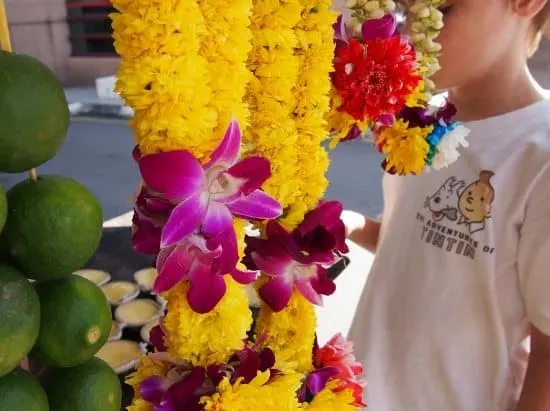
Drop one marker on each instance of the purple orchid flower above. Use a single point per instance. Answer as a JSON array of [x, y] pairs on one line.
[[279, 257], [315, 382], [249, 362], [208, 196], [203, 262], [322, 232], [422, 117], [178, 391], [382, 28], [150, 216], [156, 338]]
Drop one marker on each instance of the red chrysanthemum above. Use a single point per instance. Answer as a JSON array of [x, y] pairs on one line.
[[374, 78]]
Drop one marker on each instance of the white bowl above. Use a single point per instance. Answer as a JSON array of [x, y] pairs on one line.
[[116, 331], [145, 278], [120, 292], [121, 355], [138, 312], [98, 277]]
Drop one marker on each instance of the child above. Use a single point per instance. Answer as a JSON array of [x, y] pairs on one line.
[[462, 270]]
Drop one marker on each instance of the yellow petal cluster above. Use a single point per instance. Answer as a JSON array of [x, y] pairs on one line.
[[163, 77], [210, 338], [405, 147], [271, 94], [315, 52], [330, 399], [279, 394], [289, 333]]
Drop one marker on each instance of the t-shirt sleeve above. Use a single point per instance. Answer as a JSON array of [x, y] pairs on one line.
[[534, 254]]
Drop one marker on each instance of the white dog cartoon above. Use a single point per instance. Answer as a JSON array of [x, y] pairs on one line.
[[444, 202]]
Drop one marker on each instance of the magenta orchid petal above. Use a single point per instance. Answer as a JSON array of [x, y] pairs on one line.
[[243, 277], [318, 379], [276, 293], [322, 283], [206, 290], [151, 389], [136, 154], [216, 219], [156, 338], [227, 153], [174, 268], [275, 264], [382, 28], [183, 220], [182, 393], [229, 256], [251, 173], [145, 236], [303, 285], [258, 205], [175, 175]]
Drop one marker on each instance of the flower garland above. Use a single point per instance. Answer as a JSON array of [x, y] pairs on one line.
[[374, 90], [232, 108], [272, 132]]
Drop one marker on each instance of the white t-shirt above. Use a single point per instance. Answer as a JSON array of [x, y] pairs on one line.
[[462, 268]]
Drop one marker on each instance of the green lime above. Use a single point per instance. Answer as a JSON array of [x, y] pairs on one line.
[[34, 114], [19, 318], [75, 321], [20, 391], [92, 386], [54, 226]]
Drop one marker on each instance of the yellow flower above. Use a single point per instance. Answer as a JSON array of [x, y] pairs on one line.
[[210, 338], [147, 368], [139, 404], [418, 97], [278, 394], [289, 333], [340, 122], [405, 148], [330, 400], [226, 46]]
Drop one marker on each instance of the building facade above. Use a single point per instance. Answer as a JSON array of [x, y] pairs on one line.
[[73, 38]]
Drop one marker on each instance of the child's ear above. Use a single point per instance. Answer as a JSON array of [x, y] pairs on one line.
[[528, 8]]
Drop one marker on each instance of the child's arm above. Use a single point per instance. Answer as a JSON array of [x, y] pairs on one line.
[[361, 230], [536, 388]]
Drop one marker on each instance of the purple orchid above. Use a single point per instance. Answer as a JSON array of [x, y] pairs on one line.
[[207, 196], [322, 232], [424, 117], [183, 386], [315, 382], [203, 262], [150, 216], [180, 390], [382, 28], [298, 259]]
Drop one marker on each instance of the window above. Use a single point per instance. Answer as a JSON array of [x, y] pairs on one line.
[[90, 27]]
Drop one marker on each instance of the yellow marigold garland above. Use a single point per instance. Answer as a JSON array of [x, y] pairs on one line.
[[271, 98], [278, 394], [226, 46], [210, 338], [330, 399], [289, 333], [167, 83]]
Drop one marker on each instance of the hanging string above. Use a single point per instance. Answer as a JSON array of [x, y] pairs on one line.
[[5, 44]]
